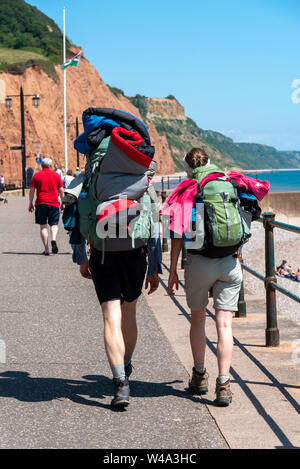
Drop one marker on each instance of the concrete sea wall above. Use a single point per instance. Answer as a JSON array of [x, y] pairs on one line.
[[285, 205]]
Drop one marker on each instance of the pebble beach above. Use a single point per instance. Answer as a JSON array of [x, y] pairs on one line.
[[287, 246]]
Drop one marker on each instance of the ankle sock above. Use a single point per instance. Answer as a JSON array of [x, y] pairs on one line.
[[199, 367], [223, 378], [118, 372]]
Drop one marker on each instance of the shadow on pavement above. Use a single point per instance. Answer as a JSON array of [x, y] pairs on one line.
[[21, 386]]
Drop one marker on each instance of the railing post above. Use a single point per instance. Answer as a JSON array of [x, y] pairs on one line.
[[168, 182], [242, 309], [162, 184], [164, 240], [272, 332]]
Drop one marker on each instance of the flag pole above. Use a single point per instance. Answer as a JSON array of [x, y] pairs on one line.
[[65, 90]]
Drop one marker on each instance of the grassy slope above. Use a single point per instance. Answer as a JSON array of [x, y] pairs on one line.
[[16, 61], [11, 56]]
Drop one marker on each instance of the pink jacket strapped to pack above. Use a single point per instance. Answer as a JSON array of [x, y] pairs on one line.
[[254, 186], [180, 203], [182, 197]]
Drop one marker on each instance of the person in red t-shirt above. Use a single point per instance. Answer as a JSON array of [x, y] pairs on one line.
[[47, 184]]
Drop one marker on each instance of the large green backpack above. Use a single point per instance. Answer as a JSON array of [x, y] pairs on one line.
[[140, 226], [219, 221]]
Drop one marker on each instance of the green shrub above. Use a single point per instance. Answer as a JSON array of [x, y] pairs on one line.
[[116, 91], [139, 102]]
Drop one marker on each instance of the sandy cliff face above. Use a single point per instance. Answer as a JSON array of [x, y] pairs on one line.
[[159, 108], [182, 133], [44, 125]]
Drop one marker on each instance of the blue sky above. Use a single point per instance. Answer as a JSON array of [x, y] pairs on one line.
[[230, 63]]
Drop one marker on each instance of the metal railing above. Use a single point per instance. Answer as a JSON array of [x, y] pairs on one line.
[[170, 182], [269, 279]]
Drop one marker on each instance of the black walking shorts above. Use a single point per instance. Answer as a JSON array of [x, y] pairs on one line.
[[121, 276], [46, 214]]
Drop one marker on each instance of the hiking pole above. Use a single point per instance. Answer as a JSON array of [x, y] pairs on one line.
[[183, 255], [242, 309]]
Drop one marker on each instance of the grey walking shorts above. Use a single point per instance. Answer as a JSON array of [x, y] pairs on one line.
[[224, 275]]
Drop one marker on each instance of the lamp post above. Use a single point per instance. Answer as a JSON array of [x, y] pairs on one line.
[[77, 133], [8, 105]]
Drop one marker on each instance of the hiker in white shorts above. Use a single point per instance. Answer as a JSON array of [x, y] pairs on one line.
[[212, 267]]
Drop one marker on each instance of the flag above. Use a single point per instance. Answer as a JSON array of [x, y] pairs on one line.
[[73, 61]]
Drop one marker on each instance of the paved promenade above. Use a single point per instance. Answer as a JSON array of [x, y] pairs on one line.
[[55, 385]]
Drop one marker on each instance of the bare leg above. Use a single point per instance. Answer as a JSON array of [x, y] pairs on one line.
[[53, 232], [113, 337], [197, 336], [44, 236], [225, 340], [129, 327]]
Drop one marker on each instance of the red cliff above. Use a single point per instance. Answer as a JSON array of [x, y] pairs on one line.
[[44, 125]]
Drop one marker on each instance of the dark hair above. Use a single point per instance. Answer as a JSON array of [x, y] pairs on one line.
[[196, 157]]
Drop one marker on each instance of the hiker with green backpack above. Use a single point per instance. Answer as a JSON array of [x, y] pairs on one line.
[[114, 208], [218, 227]]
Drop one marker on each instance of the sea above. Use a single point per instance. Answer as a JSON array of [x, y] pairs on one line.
[[282, 180]]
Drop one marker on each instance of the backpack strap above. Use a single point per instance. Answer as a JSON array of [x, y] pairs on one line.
[[218, 174], [233, 182], [208, 178], [199, 193]]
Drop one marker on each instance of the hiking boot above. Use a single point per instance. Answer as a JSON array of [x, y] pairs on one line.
[[199, 382], [54, 247], [128, 370], [224, 395], [121, 397]]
